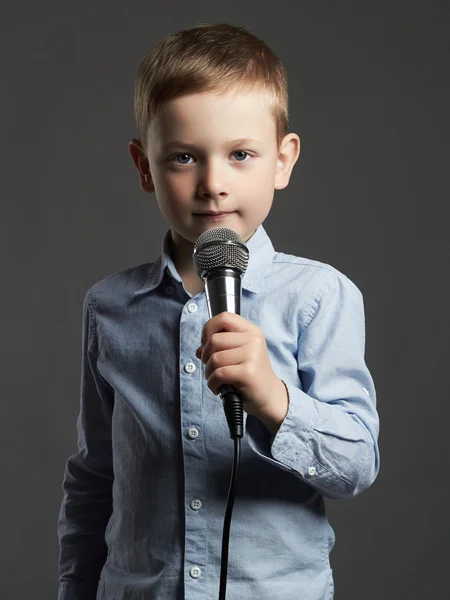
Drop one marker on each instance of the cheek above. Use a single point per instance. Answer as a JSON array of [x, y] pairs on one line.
[[172, 190], [257, 197], [261, 185]]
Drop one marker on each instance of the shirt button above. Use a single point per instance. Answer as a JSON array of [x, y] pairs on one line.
[[312, 470], [196, 504], [169, 289], [193, 433], [192, 307], [195, 572], [189, 367]]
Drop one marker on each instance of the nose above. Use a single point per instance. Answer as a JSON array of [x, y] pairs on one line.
[[213, 181]]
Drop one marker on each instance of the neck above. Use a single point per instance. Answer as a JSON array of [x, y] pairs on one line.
[[181, 251]]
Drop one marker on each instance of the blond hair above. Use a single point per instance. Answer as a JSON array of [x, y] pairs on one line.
[[209, 57]]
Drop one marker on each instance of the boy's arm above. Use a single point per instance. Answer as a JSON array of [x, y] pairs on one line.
[[329, 436], [87, 503]]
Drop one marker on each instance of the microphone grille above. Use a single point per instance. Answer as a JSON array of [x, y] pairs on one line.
[[219, 247]]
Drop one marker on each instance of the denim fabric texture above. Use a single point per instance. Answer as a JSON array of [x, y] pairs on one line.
[[144, 497]]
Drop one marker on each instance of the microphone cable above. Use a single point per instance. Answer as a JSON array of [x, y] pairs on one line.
[[234, 412]]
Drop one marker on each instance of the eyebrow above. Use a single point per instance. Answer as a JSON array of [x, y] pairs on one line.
[[179, 143]]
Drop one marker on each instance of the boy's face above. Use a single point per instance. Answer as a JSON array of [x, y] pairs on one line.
[[194, 165]]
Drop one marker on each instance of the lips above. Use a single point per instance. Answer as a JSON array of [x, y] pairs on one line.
[[215, 214]]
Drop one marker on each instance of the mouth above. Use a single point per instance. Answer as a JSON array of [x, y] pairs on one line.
[[213, 215]]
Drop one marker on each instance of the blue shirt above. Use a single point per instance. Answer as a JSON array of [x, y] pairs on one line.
[[145, 496]]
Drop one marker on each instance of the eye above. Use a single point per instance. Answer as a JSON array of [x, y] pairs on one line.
[[241, 152], [185, 154], [177, 155]]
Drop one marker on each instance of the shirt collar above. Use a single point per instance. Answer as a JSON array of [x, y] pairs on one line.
[[261, 253]]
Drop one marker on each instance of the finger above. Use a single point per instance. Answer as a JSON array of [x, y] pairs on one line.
[[225, 358], [222, 340], [231, 374], [224, 321]]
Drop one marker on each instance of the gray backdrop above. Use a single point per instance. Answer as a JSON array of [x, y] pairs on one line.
[[369, 97]]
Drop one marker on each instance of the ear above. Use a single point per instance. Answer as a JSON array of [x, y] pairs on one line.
[[287, 157], [142, 165]]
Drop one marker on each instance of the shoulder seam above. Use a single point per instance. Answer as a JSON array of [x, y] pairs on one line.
[[302, 261], [128, 270]]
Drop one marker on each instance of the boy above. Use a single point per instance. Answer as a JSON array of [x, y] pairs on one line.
[[144, 498]]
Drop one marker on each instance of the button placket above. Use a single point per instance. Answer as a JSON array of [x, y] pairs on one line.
[[193, 449]]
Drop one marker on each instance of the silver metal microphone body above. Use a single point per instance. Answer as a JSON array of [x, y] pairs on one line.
[[223, 291], [220, 259]]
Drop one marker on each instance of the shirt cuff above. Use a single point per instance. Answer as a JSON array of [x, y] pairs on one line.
[[297, 426]]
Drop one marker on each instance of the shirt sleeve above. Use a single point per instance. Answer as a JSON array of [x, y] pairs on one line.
[[329, 436], [87, 485]]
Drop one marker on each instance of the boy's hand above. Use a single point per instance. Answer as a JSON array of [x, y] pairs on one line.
[[235, 352]]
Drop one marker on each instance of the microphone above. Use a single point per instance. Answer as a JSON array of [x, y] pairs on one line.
[[220, 259]]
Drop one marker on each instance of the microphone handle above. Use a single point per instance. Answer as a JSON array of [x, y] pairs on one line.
[[223, 294]]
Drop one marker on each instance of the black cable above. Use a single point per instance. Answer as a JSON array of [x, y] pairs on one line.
[[227, 521], [234, 412]]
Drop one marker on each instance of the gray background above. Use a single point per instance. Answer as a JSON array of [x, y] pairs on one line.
[[369, 97]]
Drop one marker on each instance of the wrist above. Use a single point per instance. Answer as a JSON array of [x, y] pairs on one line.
[[273, 415]]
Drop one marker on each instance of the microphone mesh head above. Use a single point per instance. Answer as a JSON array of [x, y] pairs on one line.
[[219, 247]]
